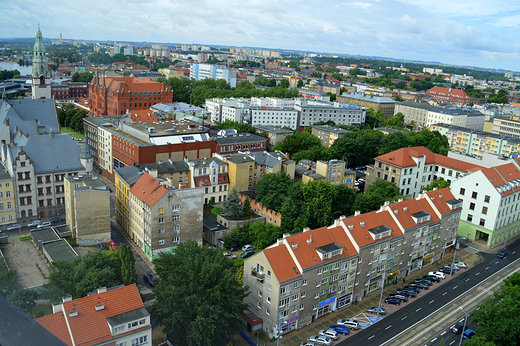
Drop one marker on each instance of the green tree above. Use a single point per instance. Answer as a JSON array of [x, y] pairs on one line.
[[298, 142], [232, 206], [198, 292], [128, 273], [237, 237], [438, 183], [262, 235], [272, 190], [343, 203], [393, 141], [293, 220], [396, 121], [318, 198], [284, 83], [376, 195], [300, 83], [247, 207]]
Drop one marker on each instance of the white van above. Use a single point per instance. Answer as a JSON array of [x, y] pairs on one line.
[[438, 274], [349, 322]]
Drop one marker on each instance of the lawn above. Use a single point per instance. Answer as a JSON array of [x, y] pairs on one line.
[[72, 133]]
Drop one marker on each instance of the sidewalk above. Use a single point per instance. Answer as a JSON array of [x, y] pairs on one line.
[[137, 250], [297, 336]]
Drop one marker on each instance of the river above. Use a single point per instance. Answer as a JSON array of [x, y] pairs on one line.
[[24, 70]]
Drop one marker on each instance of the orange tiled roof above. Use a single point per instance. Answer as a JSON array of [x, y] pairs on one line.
[[439, 199], [304, 252], [148, 189], [404, 158], [500, 176], [281, 262], [339, 235], [241, 75], [404, 210], [202, 180], [90, 327], [223, 178], [447, 92], [143, 115], [359, 227]]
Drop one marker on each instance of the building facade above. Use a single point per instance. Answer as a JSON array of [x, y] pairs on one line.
[[384, 104], [456, 116], [413, 112], [274, 133], [69, 91], [328, 134], [8, 214], [203, 71], [212, 176]]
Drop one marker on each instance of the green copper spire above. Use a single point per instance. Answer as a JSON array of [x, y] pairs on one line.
[[40, 66]]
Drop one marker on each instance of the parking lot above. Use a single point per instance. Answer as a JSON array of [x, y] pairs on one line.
[[23, 257]]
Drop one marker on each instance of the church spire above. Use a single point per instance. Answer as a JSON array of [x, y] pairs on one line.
[[41, 88]]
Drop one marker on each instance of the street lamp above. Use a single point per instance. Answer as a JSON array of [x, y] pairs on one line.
[[463, 328], [381, 295], [454, 255]]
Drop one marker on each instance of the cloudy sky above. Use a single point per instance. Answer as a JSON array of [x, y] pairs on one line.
[[481, 33]]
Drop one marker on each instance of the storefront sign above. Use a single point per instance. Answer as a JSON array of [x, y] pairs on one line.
[[327, 302]]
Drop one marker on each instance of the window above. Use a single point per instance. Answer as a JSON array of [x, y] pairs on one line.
[[176, 208], [161, 242], [161, 210], [316, 295], [161, 230], [176, 239], [296, 284], [301, 307], [304, 283], [474, 194], [482, 222], [304, 294], [487, 198], [470, 217], [472, 206], [268, 312], [260, 294], [484, 210], [269, 273], [161, 220], [119, 329], [462, 191]]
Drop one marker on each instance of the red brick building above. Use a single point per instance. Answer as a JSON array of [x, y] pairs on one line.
[[116, 95], [449, 95], [69, 91]]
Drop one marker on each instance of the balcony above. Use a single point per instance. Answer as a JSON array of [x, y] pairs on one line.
[[260, 276]]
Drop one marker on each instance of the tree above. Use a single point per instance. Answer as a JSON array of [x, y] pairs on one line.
[[198, 297], [298, 142], [396, 121], [438, 183], [247, 207], [317, 208], [232, 206], [299, 84], [393, 141], [284, 83], [376, 195], [272, 190], [128, 273], [262, 235], [343, 204]]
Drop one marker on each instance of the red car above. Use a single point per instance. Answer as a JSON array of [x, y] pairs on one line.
[[113, 245]]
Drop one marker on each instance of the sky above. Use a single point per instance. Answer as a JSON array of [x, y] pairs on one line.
[[481, 33]]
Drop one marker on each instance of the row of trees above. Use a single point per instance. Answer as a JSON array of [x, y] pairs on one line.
[[8, 74], [106, 59], [70, 116], [82, 77]]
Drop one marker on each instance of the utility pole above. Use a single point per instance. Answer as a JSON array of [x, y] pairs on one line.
[[381, 295], [463, 328], [455, 255]]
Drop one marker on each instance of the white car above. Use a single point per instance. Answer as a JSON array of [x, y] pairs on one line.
[[45, 225], [320, 340], [329, 333], [307, 343], [230, 255], [438, 274], [248, 247], [348, 322], [14, 227], [34, 223], [461, 265]]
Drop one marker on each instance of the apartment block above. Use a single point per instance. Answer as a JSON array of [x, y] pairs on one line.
[[449, 95], [212, 175], [312, 111], [491, 201], [87, 206], [274, 133], [333, 171], [506, 126], [116, 316], [384, 104], [328, 134], [463, 117], [232, 144], [413, 111], [414, 168], [307, 275], [203, 71]]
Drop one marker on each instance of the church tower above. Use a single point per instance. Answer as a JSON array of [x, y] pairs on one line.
[[86, 158], [41, 78]]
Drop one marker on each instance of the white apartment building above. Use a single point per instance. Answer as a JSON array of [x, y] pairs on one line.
[[456, 116], [203, 71], [341, 113]]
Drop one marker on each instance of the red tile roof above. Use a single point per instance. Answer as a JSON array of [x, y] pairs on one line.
[[304, 252], [439, 199], [447, 92], [90, 327], [359, 226], [282, 263], [148, 190], [404, 158], [500, 176], [143, 115], [223, 178], [202, 180]]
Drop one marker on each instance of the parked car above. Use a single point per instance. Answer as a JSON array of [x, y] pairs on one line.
[[247, 254], [432, 278], [423, 281], [149, 279], [113, 245], [230, 255], [14, 227], [234, 248], [458, 328], [468, 334], [398, 296], [406, 293], [461, 265], [392, 300], [420, 285], [34, 223], [329, 333], [340, 329], [502, 254], [44, 225], [438, 274], [320, 340], [412, 288], [101, 246], [307, 343], [348, 322], [56, 219], [447, 271], [248, 247], [375, 309], [449, 266]]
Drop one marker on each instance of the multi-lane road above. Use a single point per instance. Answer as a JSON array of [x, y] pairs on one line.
[[426, 320]]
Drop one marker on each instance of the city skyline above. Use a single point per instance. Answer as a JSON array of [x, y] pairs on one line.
[[472, 33]]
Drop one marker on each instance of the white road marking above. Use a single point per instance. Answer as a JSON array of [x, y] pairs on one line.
[[512, 253], [451, 343], [496, 262], [455, 287], [388, 327], [432, 301], [477, 274], [434, 340], [371, 337], [467, 279], [404, 318], [444, 332], [417, 309], [487, 268], [444, 293]]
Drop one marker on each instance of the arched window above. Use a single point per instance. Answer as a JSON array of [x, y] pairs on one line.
[[23, 213], [42, 80], [29, 212]]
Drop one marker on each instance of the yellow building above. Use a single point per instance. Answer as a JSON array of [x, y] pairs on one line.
[[7, 201], [333, 171], [124, 179]]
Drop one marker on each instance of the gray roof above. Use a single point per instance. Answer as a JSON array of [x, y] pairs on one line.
[[18, 328], [85, 151], [52, 153], [239, 158], [239, 138], [329, 128], [273, 129], [60, 250], [379, 229], [421, 105], [167, 167], [264, 158], [127, 316], [206, 162], [24, 113], [456, 111], [371, 98], [4, 173], [129, 174]]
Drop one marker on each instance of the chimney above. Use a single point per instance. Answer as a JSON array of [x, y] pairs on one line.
[[357, 213], [101, 290], [67, 299]]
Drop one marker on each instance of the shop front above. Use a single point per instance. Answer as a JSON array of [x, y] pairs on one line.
[[288, 326], [416, 264], [391, 278], [428, 259], [326, 306], [344, 301]]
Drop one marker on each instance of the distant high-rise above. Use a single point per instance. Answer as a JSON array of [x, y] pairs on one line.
[[41, 86]]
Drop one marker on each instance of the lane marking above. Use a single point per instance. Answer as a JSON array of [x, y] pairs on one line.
[[444, 293], [477, 274], [496, 262], [371, 337], [444, 332], [432, 301], [467, 279], [434, 340], [417, 309], [512, 253], [388, 327], [461, 320], [455, 287], [404, 318], [451, 343], [487, 268]]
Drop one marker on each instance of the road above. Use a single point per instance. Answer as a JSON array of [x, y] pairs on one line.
[[427, 320]]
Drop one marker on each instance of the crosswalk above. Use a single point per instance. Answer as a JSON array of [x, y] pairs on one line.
[[471, 249]]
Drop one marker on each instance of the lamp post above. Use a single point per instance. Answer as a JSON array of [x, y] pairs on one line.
[[463, 328], [454, 255], [381, 295]]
